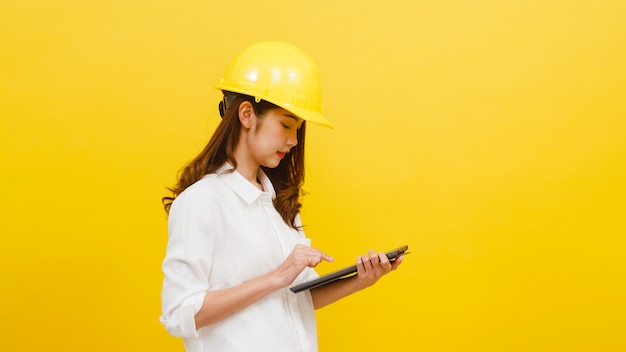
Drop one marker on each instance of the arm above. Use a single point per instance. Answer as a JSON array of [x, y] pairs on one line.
[[218, 305], [221, 304], [370, 268]]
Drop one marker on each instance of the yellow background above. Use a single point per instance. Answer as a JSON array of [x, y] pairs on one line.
[[489, 136]]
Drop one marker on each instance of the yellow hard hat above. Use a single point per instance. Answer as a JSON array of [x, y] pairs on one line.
[[281, 74]]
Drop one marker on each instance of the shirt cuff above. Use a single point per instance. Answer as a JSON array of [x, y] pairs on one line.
[[182, 323]]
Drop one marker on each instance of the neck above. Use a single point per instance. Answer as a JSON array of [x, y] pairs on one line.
[[246, 166]]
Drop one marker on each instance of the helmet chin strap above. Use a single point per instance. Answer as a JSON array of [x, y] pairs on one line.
[[226, 101]]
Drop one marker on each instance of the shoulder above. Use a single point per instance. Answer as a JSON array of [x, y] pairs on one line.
[[202, 193]]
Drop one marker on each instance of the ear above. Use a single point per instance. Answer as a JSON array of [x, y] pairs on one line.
[[246, 114]]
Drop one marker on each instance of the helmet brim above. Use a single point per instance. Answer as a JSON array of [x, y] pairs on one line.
[[303, 113]]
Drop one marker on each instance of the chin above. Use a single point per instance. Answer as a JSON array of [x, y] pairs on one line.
[[272, 164]]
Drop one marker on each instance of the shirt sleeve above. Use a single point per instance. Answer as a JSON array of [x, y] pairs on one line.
[[186, 265]]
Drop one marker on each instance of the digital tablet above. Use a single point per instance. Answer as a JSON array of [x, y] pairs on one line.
[[340, 274]]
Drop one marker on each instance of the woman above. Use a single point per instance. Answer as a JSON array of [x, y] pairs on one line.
[[235, 236]]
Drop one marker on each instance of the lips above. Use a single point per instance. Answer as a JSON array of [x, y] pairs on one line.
[[281, 154]]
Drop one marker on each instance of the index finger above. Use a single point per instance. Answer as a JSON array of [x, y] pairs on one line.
[[326, 257]]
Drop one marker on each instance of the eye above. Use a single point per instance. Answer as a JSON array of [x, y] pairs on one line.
[[285, 126]]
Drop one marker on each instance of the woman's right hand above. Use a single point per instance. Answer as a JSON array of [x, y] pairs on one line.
[[300, 257]]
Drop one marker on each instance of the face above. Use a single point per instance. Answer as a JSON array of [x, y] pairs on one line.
[[273, 135]]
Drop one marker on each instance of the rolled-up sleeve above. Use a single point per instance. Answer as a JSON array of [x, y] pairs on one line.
[[180, 321], [186, 265]]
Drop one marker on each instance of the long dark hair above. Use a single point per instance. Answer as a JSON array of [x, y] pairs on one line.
[[287, 178]]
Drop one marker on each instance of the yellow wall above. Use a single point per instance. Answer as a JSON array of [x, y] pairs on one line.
[[490, 136]]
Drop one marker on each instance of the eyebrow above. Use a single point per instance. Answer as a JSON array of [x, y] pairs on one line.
[[294, 117]]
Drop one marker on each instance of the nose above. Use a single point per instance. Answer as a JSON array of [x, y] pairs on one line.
[[292, 139]]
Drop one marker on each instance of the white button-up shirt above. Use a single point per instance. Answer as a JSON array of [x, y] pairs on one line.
[[223, 231]]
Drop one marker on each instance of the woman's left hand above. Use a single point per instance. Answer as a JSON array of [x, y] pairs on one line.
[[371, 267]]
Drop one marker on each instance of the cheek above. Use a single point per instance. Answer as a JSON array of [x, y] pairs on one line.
[[269, 137], [275, 134]]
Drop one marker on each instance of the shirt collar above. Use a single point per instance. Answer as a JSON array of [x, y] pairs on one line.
[[246, 190]]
